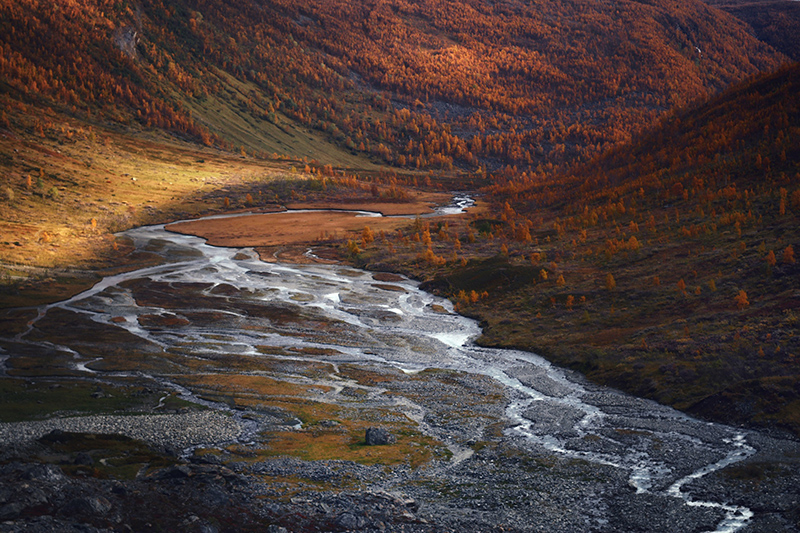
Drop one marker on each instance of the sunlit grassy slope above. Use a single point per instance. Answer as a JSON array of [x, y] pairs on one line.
[[228, 115], [67, 185]]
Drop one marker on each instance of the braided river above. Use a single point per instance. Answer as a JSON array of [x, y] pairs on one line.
[[355, 319]]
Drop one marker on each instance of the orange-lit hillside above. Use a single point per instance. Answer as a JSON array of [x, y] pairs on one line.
[[423, 84], [745, 139]]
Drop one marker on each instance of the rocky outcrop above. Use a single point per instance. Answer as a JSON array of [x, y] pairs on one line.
[[126, 38]]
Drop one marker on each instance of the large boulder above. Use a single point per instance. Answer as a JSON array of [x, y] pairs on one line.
[[379, 437]]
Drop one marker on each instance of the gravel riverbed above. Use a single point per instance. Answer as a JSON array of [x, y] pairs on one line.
[[174, 430]]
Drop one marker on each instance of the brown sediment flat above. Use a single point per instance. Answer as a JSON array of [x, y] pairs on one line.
[[285, 236], [387, 276], [291, 228], [284, 229], [420, 205]]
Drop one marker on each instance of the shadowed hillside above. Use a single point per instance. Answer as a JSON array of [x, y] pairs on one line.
[[776, 22]]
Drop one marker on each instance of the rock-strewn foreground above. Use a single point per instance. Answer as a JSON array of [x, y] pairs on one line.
[[65, 482]]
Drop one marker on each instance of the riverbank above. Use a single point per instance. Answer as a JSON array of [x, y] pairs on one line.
[[60, 487], [644, 343], [319, 228]]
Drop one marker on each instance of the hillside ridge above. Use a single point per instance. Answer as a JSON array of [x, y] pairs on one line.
[[460, 84]]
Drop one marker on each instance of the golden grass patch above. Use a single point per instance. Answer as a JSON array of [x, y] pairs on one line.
[[251, 384], [411, 447]]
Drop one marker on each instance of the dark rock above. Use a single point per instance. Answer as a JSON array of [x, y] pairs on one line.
[[83, 458], [205, 459], [348, 521], [11, 511], [216, 497], [175, 472], [90, 505], [407, 502], [195, 523], [48, 473], [170, 450], [55, 436], [32, 496], [379, 437]]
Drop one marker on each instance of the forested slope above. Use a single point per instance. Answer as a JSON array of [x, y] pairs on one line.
[[667, 267], [776, 22], [459, 83]]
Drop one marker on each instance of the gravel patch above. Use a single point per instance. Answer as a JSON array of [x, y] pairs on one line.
[[180, 430]]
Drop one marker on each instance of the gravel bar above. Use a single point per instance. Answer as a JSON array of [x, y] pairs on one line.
[[176, 430]]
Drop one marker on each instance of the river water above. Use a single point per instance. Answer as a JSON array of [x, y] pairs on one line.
[[395, 324]]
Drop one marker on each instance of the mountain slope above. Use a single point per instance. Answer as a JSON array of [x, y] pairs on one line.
[[744, 138], [429, 84], [682, 219], [776, 22]]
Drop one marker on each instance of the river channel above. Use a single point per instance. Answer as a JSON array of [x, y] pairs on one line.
[[203, 300]]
